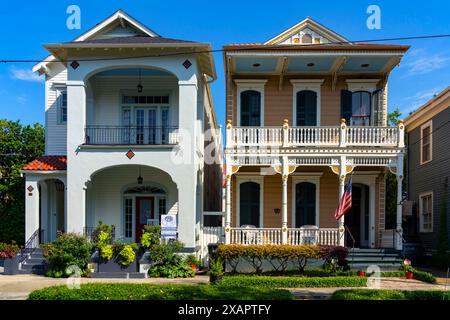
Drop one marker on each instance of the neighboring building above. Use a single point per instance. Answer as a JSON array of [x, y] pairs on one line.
[[288, 153], [428, 140], [127, 121]]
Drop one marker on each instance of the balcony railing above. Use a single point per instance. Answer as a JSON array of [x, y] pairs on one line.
[[131, 135], [317, 136]]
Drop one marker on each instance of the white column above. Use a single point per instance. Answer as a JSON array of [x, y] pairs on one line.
[[284, 209], [45, 216], [76, 115], [228, 210], [342, 175], [399, 233], [31, 206]]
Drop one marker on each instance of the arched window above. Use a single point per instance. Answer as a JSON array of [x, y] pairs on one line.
[[306, 38], [305, 204], [360, 108], [306, 112], [249, 204], [250, 108]]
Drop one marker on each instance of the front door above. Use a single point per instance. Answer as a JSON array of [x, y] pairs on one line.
[[357, 218], [144, 211], [249, 206]]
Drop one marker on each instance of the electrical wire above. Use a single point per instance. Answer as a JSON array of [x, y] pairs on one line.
[[436, 36]]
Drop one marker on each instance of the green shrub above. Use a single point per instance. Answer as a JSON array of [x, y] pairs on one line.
[[292, 282], [68, 249], [216, 268], [8, 251], [166, 262], [103, 244], [126, 253], [151, 236], [101, 229], [417, 274], [192, 260], [134, 291], [366, 294]]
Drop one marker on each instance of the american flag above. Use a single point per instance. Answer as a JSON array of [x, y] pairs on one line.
[[346, 201]]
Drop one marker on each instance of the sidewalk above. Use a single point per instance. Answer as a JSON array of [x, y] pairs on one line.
[[385, 283], [19, 286]]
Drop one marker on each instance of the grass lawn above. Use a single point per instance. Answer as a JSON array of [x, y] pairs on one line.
[[291, 282], [133, 291], [368, 294]]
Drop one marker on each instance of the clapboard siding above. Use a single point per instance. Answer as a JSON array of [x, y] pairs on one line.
[[55, 133], [278, 104], [432, 175]]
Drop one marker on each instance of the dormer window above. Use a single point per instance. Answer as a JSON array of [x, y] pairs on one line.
[[306, 39]]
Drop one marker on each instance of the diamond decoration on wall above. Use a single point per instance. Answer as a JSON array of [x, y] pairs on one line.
[[130, 154], [74, 64], [187, 64], [30, 188]]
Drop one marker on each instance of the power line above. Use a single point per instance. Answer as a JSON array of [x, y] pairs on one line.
[[243, 48]]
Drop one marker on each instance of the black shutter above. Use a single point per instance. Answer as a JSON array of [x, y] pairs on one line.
[[377, 107], [346, 105]]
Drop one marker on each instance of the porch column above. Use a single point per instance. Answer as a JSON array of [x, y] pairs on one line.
[[284, 209], [228, 210], [45, 215], [31, 206], [399, 229], [342, 175], [76, 208]]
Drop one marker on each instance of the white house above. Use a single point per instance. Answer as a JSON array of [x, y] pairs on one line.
[[127, 117]]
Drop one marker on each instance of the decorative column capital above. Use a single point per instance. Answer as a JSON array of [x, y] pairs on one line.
[[285, 124], [229, 125]]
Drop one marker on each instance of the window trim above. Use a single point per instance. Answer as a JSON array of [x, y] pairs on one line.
[[421, 196], [311, 178], [257, 179], [249, 84], [59, 94], [302, 85], [422, 127]]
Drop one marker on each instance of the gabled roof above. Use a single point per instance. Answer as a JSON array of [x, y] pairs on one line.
[[47, 163], [120, 30], [312, 25]]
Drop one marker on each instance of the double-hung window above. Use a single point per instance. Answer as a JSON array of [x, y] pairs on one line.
[[62, 106], [426, 154], [426, 212]]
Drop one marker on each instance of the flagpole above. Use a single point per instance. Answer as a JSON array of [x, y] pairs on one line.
[[341, 219]]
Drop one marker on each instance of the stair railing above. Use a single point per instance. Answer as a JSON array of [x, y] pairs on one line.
[[31, 244], [353, 242]]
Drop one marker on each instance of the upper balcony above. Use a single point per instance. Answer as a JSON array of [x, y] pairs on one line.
[[342, 136]]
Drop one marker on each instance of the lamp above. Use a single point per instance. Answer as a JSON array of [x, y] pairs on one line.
[[276, 210], [140, 179], [140, 86]]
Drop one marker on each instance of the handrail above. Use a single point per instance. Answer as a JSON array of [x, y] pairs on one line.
[[31, 244], [353, 242]]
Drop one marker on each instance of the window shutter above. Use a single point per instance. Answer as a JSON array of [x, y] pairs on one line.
[[346, 105], [377, 107]]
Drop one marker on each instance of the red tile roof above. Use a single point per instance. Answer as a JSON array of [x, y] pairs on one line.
[[47, 163]]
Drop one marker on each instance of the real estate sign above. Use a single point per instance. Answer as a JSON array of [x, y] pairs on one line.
[[168, 226]]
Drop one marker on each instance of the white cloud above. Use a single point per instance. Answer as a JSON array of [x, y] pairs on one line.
[[424, 63], [25, 75], [22, 99], [417, 100]]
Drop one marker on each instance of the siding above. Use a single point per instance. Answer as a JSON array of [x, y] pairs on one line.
[[55, 133], [432, 175], [278, 104]]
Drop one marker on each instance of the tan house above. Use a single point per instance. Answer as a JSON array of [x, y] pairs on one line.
[[306, 110]]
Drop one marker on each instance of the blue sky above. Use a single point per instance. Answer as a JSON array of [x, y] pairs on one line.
[[424, 71]]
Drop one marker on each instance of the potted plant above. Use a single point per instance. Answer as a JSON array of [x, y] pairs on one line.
[[215, 270], [361, 273], [407, 267], [192, 261], [8, 252]]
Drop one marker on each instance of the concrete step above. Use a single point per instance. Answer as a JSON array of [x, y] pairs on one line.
[[374, 259], [34, 261], [385, 266]]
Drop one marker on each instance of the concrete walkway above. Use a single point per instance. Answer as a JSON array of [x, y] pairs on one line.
[[385, 283], [19, 286]]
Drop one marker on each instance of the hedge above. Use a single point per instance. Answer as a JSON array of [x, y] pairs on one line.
[[292, 282], [134, 291], [279, 255], [367, 294], [417, 274]]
